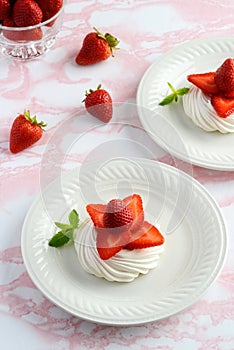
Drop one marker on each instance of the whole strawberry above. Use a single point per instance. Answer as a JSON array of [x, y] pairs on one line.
[[26, 13], [25, 35], [96, 48], [25, 131], [224, 78], [117, 216], [49, 7], [99, 104], [5, 9]]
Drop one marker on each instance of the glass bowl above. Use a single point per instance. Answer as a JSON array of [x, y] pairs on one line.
[[25, 43]]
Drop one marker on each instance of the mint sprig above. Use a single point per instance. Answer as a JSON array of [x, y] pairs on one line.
[[59, 240], [67, 230], [174, 95]]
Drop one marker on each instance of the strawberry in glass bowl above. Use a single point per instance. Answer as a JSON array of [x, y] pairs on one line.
[[29, 28]]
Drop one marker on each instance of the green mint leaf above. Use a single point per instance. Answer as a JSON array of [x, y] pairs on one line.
[[69, 233], [74, 218], [183, 91], [167, 100], [174, 96], [58, 240], [172, 88], [63, 227], [67, 230]]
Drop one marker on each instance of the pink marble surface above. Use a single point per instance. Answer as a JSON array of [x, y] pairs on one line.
[[53, 88]]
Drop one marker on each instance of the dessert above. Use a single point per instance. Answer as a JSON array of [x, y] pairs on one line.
[[210, 100], [118, 244]]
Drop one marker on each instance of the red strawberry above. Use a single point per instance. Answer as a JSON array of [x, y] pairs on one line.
[[134, 204], [139, 235], [223, 106], [204, 81], [25, 131], [99, 104], [227, 94], [96, 48], [26, 13], [49, 7], [224, 77], [108, 243], [25, 35], [147, 236], [117, 216], [96, 213], [5, 9]]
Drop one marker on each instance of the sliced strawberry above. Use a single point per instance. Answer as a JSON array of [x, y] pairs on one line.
[[223, 106], [229, 94], [134, 204], [108, 244], [204, 81], [147, 236], [96, 212]]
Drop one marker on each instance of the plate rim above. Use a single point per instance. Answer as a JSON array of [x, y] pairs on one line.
[[212, 278], [215, 165]]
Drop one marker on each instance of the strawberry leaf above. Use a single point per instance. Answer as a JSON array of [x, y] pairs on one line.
[[33, 120], [58, 240]]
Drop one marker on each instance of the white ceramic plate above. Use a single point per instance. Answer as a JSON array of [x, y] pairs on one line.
[[168, 125], [193, 257]]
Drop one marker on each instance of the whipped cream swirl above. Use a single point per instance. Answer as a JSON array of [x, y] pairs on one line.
[[198, 107], [125, 266]]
